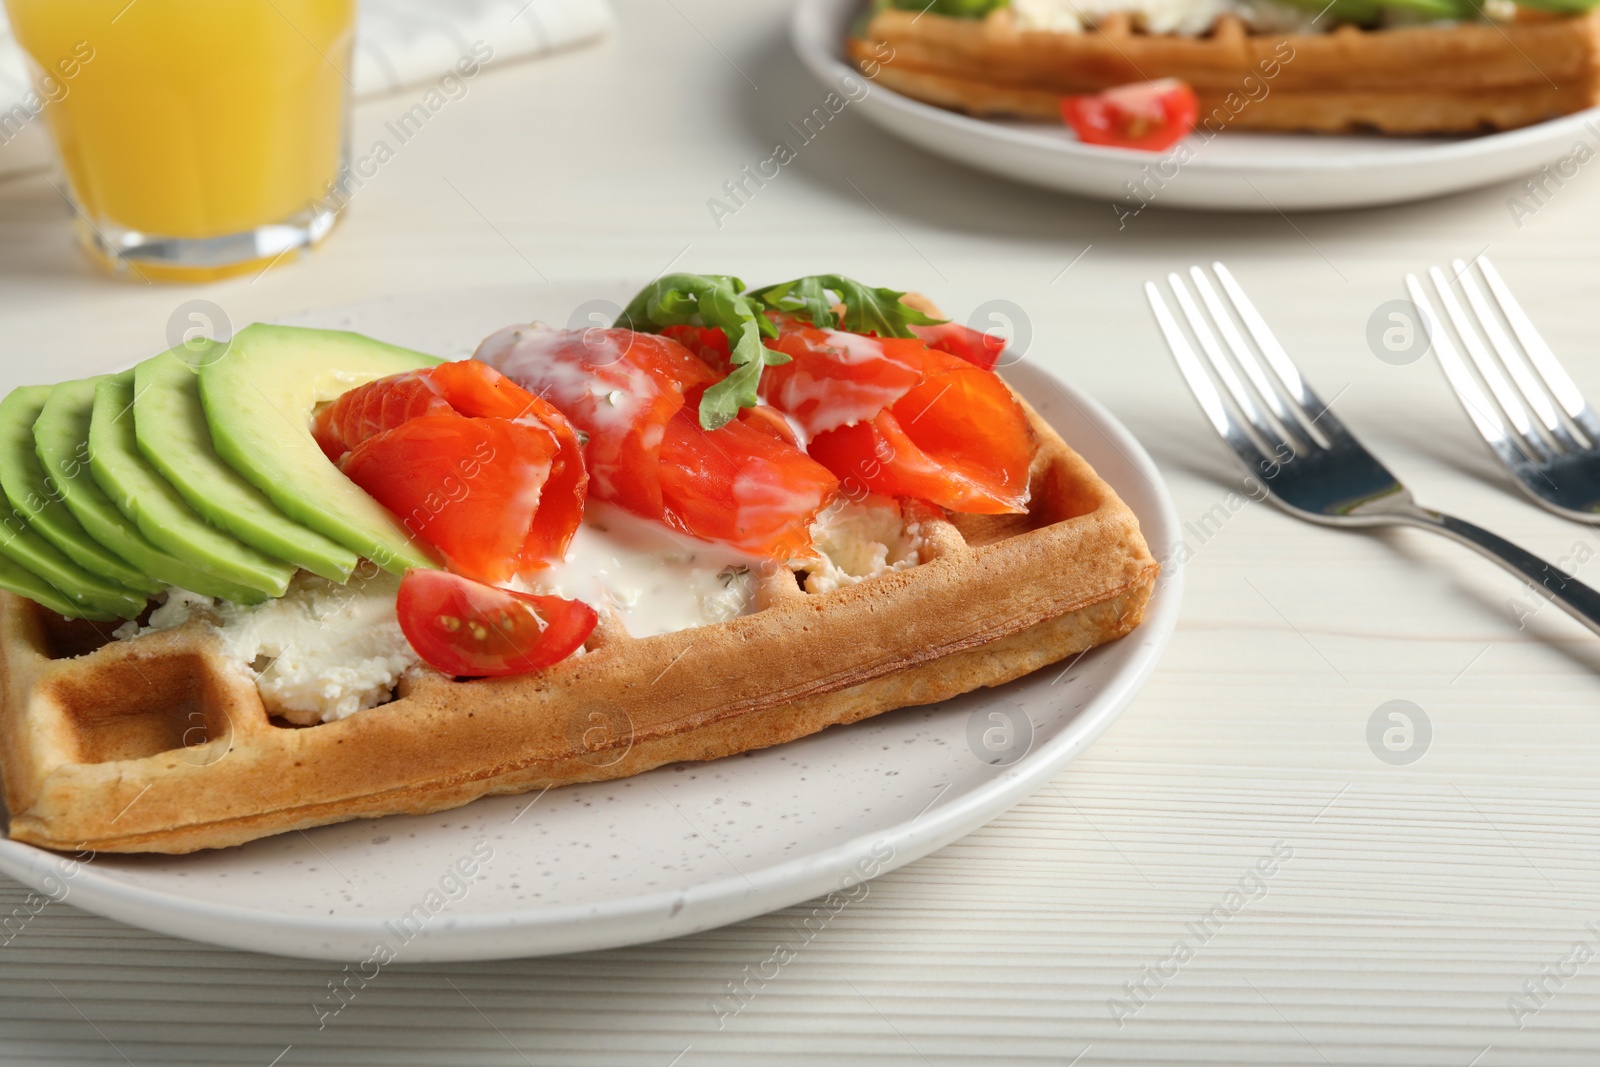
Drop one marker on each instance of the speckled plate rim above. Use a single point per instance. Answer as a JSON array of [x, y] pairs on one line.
[[717, 902]]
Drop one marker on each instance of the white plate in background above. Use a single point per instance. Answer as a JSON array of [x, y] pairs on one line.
[[1232, 172], [682, 848]]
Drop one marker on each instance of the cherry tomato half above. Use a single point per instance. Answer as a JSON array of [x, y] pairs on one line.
[[1151, 116], [469, 629]]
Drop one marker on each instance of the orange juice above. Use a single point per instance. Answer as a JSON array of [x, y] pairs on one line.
[[193, 119]]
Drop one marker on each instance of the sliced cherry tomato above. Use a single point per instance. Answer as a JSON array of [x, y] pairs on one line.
[[979, 349], [483, 470], [468, 629], [742, 486], [1151, 116]]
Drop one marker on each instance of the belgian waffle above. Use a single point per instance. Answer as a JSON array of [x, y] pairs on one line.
[[159, 743], [1426, 79]]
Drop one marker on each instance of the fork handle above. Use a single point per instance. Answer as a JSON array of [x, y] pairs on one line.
[[1577, 599]]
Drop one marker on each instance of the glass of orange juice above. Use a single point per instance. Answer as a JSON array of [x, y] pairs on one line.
[[200, 138]]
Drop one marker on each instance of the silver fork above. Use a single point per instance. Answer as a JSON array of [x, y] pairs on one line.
[[1554, 452], [1288, 438]]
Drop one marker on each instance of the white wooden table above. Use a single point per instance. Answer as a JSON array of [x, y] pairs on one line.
[[1416, 901]]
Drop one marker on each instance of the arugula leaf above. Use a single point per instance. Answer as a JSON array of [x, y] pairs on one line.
[[711, 300], [722, 300], [866, 310]]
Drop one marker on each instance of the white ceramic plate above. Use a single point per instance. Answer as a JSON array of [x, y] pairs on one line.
[[1233, 172], [683, 848]]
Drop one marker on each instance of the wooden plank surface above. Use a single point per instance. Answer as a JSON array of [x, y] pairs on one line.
[[1410, 905]]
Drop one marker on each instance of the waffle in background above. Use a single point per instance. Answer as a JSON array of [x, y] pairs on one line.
[[1428, 79]]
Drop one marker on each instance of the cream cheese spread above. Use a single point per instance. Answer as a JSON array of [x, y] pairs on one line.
[[318, 653], [860, 540], [1186, 18], [658, 581], [323, 651]]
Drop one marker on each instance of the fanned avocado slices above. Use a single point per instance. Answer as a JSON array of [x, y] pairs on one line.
[[170, 426], [259, 396], [197, 469], [61, 442], [83, 593], [158, 509], [29, 562], [31, 490], [15, 578]]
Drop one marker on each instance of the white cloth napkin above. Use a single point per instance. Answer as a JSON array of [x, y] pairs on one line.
[[399, 43]]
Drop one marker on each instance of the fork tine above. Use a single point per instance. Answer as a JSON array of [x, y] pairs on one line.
[[1200, 384], [1530, 386], [1550, 369], [1309, 406], [1246, 358], [1476, 405], [1270, 435], [1526, 437]]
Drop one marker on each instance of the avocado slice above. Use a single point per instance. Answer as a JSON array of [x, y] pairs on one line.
[[259, 397], [17, 579], [75, 592], [61, 441], [83, 593], [155, 507], [28, 485], [170, 425]]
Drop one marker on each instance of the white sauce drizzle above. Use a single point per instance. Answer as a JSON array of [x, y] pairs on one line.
[[538, 358], [655, 579], [853, 347], [830, 401]]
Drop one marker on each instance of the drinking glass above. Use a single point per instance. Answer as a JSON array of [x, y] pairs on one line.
[[199, 138]]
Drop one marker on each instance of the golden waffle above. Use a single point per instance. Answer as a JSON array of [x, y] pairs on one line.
[[161, 744], [1426, 79]]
